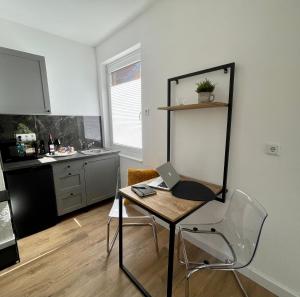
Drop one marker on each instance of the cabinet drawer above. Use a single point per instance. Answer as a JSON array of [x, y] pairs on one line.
[[67, 168], [69, 181], [70, 201]]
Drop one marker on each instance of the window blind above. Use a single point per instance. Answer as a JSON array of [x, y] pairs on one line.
[[125, 97]]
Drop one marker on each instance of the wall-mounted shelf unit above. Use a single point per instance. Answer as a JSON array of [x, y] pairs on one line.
[[194, 106], [227, 68]]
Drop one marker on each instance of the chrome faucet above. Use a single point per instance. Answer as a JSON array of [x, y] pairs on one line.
[[89, 145]]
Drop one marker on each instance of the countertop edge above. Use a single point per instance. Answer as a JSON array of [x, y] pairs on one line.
[[35, 163]]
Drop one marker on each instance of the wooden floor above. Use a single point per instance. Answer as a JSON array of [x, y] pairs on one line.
[[70, 260]]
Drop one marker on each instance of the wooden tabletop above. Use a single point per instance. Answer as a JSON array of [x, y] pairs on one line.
[[165, 205]]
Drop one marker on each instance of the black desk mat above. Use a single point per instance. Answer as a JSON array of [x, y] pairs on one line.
[[191, 190]]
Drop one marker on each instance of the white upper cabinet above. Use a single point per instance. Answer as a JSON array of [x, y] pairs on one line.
[[23, 83]]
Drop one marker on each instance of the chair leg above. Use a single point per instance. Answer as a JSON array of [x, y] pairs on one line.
[[240, 283], [178, 248], [107, 234], [187, 286], [109, 245], [154, 230]]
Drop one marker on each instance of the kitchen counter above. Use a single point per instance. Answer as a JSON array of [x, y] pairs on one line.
[[35, 163], [66, 184]]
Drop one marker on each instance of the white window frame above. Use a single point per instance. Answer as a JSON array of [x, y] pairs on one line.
[[114, 64]]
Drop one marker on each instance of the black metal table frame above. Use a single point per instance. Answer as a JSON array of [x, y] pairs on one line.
[[172, 229]]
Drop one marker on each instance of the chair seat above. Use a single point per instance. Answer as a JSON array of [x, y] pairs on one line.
[[214, 240], [128, 211], [223, 240]]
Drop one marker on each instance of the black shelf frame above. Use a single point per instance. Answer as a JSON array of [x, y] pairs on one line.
[[226, 67]]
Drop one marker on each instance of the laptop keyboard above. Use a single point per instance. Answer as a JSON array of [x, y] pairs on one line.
[[163, 185]]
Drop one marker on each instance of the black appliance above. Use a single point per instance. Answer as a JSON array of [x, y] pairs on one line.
[[32, 199]]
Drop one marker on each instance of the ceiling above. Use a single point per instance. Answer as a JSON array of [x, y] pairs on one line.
[[85, 21]]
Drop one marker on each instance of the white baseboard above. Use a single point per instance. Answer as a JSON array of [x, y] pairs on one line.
[[268, 283], [257, 276]]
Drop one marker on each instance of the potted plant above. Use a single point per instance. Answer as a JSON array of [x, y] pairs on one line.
[[204, 90]]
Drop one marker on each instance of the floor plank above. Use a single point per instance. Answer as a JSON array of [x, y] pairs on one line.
[[70, 259]]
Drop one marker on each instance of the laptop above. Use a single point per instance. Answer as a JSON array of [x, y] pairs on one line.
[[168, 178]]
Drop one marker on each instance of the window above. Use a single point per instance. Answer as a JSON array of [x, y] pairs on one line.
[[124, 90]]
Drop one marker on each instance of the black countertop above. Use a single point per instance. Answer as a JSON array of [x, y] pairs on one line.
[[36, 162]]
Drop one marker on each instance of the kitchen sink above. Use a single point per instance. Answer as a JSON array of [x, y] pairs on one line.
[[94, 151]]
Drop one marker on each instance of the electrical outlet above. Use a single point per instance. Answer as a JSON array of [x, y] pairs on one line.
[[273, 149]]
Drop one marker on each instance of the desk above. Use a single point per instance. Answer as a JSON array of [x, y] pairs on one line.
[[170, 209]]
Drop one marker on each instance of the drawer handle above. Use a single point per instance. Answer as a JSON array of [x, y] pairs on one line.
[[69, 166], [69, 173], [85, 163], [71, 194]]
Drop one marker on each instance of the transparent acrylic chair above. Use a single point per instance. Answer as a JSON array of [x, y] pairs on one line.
[[130, 217], [234, 239]]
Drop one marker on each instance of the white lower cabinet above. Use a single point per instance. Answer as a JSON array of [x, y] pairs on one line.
[[84, 182]]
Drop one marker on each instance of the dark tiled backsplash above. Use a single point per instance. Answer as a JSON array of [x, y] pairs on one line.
[[75, 131]]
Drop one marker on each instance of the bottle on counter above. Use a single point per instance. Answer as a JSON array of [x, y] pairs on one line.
[[42, 149], [51, 147], [35, 149], [20, 149], [57, 144]]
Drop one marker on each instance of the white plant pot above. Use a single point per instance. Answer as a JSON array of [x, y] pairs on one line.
[[204, 97]]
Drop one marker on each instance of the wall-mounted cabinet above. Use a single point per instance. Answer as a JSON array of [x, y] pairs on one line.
[[23, 83]]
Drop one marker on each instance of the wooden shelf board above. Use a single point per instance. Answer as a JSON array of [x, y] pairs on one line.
[[194, 106]]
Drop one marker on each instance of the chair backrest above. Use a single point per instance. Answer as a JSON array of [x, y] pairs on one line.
[[138, 175], [243, 223], [135, 175]]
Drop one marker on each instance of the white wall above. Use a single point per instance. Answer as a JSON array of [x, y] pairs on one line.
[[262, 37], [71, 67]]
